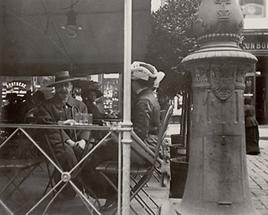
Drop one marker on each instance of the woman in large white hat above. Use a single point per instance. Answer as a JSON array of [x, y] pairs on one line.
[[145, 116], [145, 113]]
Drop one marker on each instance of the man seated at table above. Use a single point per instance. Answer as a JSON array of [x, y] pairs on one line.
[[145, 116], [66, 144]]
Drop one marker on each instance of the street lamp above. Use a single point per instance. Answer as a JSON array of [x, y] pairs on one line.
[[71, 26]]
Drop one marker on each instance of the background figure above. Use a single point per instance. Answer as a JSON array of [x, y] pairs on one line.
[[90, 93], [251, 129], [77, 93], [31, 107], [11, 111], [89, 98]]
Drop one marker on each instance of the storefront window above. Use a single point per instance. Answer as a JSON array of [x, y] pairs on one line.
[[253, 8]]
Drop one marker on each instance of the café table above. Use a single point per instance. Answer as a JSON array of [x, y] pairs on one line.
[[66, 176]]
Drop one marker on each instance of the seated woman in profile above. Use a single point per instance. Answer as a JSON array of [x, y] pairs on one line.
[[145, 117]]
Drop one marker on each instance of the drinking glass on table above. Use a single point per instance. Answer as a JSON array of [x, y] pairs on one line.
[[61, 117], [78, 118], [87, 118], [90, 118]]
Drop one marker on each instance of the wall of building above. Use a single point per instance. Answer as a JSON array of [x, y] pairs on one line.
[[256, 41], [255, 14]]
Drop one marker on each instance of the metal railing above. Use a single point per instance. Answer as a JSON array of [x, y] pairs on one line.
[[66, 176]]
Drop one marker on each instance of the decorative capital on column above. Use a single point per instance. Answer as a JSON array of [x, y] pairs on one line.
[[218, 28], [224, 19]]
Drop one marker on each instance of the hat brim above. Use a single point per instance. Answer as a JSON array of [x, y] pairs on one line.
[[82, 83], [63, 81], [98, 92], [89, 86]]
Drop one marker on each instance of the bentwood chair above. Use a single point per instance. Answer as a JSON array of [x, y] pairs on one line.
[[140, 175]]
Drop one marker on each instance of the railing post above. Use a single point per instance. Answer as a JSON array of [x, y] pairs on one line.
[[126, 143]]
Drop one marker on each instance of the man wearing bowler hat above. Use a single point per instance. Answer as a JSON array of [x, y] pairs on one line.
[[66, 144]]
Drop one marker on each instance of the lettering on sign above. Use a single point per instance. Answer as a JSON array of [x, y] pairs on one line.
[[15, 84], [256, 45]]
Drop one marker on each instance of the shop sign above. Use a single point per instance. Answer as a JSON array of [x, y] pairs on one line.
[[256, 45], [15, 84], [256, 42], [17, 87]]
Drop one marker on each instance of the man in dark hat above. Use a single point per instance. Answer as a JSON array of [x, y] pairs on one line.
[[62, 107]]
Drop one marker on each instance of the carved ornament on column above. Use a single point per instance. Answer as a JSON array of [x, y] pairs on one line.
[[223, 14], [200, 75], [222, 78]]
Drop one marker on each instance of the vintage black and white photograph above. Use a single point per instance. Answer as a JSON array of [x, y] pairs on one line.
[[134, 107]]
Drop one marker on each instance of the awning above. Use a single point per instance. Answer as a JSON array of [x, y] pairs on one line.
[[33, 41]]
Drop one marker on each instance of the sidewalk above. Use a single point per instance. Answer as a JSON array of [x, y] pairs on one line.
[[258, 177], [263, 129], [257, 172]]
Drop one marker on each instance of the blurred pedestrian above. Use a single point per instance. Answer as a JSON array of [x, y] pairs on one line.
[[251, 129]]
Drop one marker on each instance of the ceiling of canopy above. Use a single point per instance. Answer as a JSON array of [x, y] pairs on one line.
[[34, 39]]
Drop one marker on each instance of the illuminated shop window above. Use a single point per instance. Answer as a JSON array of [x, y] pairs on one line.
[[253, 8]]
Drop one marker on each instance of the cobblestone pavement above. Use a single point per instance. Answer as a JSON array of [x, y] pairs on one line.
[[257, 171], [258, 178]]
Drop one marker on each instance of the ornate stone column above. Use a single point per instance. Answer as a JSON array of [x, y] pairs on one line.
[[217, 182]]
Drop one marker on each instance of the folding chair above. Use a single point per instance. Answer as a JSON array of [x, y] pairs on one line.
[[82, 190], [21, 170], [144, 173], [18, 167]]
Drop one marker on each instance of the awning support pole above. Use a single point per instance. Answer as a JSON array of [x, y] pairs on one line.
[[126, 141]]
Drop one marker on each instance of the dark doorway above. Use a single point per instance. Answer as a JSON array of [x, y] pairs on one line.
[[260, 98]]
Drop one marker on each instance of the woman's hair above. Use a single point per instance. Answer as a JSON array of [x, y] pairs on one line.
[[149, 83]]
